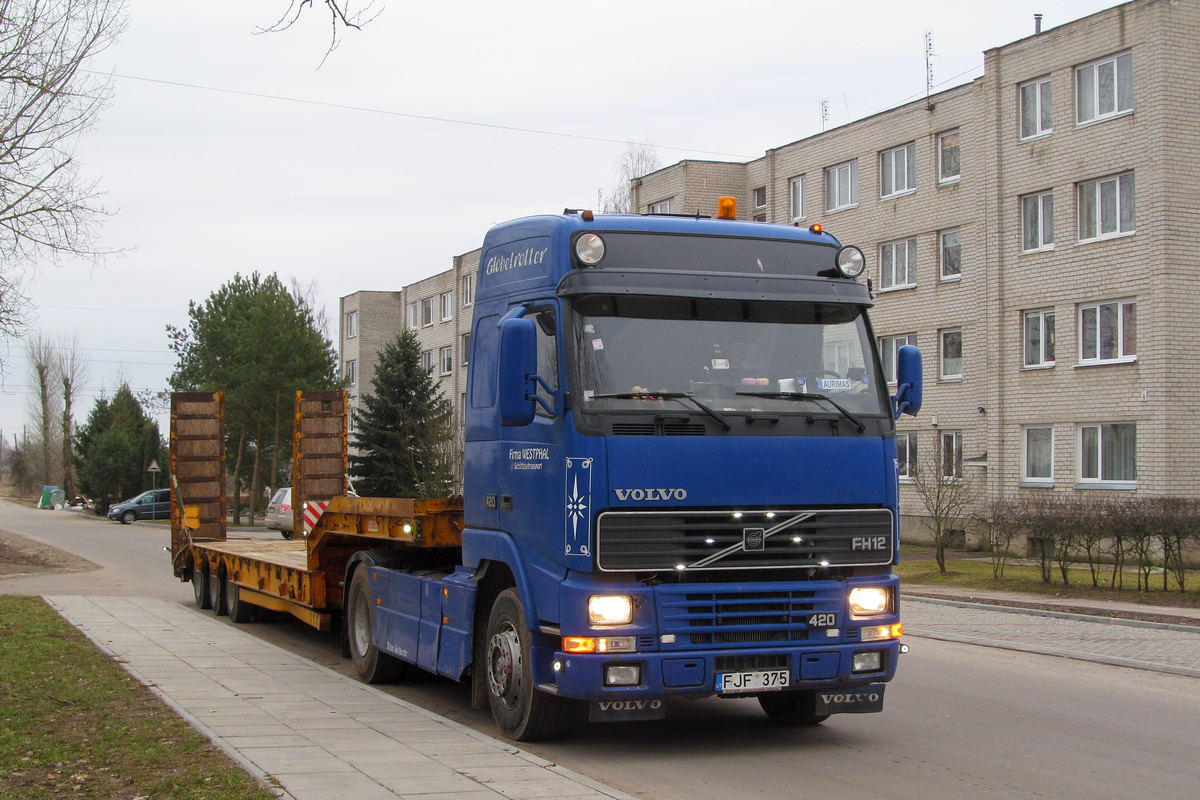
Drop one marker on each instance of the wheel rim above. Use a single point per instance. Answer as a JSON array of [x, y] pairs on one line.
[[360, 629], [504, 666]]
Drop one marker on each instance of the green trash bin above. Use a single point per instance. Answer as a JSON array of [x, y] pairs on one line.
[[47, 501]]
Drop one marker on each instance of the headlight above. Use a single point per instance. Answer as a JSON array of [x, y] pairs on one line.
[[589, 249], [850, 261], [869, 601], [610, 609]]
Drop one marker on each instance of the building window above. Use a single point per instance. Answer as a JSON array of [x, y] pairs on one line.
[[351, 324], [906, 456], [426, 312], [1108, 452], [427, 360], [889, 346], [1036, 117], [1104, 88], [1037, 222], [1106, 207], [662, 206], [465, 352], [841, 186], [1039, 455], [1039, 338], [950, 455], [760, 197], [414, 316], [446, 357], [952, 358], [468, 290], [797, 192], [1108, 332], [447, 306], [898, 171], [898, 264], [951, 255], [349, 373], [949, 160]]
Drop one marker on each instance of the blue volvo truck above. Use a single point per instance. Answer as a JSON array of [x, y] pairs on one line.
[[679, 481]]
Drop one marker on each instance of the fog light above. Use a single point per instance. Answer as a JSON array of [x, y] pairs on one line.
[[589, 249], [622, 675], [867, 662], [615, 644]]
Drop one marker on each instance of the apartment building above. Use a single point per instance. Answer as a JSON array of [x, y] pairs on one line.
[[1033, 232]]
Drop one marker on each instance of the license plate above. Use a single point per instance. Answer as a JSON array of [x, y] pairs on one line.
[[822, 619], [759, 681]]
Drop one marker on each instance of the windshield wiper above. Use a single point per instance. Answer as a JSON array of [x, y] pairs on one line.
[[666, 396], [809, 396]]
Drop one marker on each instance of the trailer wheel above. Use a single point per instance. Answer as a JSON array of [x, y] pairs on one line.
[[792, 708], [216, 591], [372, 665], [200, 586], [521, 711], [239, 610]]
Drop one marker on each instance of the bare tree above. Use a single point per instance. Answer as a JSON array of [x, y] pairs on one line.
[[43, 453], [342, 14], [47, 99], [73, 373], [635, 161], [948, 495]]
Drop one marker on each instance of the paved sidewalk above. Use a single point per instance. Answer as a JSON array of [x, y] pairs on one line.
[[305, 729]]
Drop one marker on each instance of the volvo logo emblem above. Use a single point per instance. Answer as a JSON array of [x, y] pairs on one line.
[[753, 539]]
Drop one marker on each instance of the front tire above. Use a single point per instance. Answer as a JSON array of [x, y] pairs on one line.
[[792, 708], [372, 665], [128, 517], [200, 587], [521, 711]]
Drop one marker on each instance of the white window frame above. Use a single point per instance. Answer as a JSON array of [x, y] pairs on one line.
[[1088, 90], [797, 195], [1041, 99], [907, 455], [1043, 358], [887, 265], [1027, 452], [1120, 191], [662, 206], [351, 324], [1103, 446], [954, 437], [446, 359], [1124, 343], [464, 349], [426, 312], [954, 177], [945, 371], [427, 362], [447, 306], [1041, 204], [414, 317], [350, 372], [956, 235], [889, 348], [841, 194], [468, 290], [760, 197], [898, 171]]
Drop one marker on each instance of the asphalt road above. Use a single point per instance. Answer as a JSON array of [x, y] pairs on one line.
[[960, 720]]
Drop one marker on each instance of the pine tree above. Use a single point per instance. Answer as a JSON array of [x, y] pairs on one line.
[[401, 437]]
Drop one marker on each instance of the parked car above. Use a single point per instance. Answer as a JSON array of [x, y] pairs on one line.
[[279, 513], [154, 504]]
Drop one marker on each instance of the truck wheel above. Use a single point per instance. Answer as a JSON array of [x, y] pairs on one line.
[[792, 708], [216, 592], [372, 665], [240, 611], [200, 586], [128, 517], [521, 711]]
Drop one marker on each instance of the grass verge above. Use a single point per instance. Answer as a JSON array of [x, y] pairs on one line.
[[74, 724], [976, 574]]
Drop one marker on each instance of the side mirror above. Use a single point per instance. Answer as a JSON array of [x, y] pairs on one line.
[[907, 399], [517, 363]]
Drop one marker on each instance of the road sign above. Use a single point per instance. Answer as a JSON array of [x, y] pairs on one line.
[[153, 467]]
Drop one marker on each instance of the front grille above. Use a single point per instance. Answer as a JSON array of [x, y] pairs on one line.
[[683, 541], [731, 617], [658, 429], [747, 663]]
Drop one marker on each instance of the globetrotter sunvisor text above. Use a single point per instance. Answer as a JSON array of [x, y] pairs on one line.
[[524, 258]]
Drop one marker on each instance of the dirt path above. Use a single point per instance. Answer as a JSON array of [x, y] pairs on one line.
[[22, 556]]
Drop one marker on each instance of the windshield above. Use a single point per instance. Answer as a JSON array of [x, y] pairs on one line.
[[732, 355]]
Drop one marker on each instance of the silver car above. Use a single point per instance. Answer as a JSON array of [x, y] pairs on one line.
[[279, 513]]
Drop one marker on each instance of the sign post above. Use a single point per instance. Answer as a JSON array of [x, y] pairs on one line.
[[153, 469]]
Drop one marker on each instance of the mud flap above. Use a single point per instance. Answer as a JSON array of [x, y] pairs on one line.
[[863, 700], [626, 710]]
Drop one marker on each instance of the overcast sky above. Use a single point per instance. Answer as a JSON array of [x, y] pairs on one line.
[[224, 151]]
